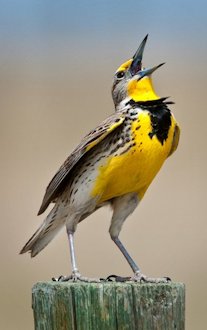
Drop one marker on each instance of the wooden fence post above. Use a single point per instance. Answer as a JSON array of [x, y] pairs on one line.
[[108, 306]]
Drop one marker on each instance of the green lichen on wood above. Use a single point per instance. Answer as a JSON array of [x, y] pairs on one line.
[[108, 306]]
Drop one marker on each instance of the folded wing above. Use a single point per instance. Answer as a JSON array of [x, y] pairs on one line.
[[88, 142]]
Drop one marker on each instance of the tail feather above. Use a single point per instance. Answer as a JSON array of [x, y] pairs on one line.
[[45, 233]]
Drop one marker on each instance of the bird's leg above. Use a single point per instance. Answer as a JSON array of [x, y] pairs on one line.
[[75, 276], [123, 206], [129, 259], [75, 271], [138, 276]]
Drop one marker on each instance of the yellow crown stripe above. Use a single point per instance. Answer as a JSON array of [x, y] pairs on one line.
[[124, 66]]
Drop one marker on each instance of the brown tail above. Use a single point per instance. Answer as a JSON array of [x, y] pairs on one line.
[[45, 233]]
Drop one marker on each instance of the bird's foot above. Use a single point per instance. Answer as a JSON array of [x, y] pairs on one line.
[[139, 277], [75, 277]]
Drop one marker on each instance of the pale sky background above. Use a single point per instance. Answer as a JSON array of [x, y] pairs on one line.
[[57, 60]]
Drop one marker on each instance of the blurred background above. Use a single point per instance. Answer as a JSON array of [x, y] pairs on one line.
[[57, 59]]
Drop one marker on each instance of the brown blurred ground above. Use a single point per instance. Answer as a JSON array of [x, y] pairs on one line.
[[46, 107]]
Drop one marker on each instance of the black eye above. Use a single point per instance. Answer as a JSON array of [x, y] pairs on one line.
[[120, 74]]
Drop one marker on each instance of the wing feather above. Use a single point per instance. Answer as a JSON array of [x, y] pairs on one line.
[[87, 143], [176, 137]]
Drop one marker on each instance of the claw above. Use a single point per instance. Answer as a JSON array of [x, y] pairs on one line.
[[62, 278], [116, 278]]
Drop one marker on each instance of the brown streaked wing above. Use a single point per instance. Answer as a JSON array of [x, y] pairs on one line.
[[88, 142]]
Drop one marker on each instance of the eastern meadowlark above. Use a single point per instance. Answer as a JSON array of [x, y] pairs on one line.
[[114, 164]]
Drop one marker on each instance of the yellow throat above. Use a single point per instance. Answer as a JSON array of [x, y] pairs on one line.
[[139, 90], [142, 90]]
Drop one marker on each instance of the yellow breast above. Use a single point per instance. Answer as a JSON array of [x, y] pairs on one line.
[[133, 170]]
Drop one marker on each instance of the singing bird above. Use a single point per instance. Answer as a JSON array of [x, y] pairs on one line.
[[113, 165]]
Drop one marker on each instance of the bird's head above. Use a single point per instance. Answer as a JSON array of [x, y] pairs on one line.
[[132, 81]]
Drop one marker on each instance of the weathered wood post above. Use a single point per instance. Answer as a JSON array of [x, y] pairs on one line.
[[108, 306]]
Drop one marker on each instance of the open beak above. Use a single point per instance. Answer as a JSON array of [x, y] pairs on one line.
[[147, 72], [136, 64]]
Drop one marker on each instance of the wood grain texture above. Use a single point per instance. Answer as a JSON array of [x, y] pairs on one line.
[[108, 306]]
